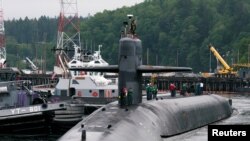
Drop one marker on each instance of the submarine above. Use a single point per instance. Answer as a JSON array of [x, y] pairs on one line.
[[147, 120]]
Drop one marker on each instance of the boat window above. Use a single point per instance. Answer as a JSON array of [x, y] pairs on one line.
[[73, 62], [74, 82], [101, 93], [72, 91], [97, 62], [113, 91], [90, 91], [63, 92]]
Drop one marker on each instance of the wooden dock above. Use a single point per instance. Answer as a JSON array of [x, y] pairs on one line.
[[212, 84]]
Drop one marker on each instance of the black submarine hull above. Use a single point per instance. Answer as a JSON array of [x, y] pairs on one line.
[[150, 120]]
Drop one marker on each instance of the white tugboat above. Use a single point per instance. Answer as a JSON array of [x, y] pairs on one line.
[[86, 91]]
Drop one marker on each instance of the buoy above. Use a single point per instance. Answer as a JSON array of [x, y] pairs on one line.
[[95, 94]]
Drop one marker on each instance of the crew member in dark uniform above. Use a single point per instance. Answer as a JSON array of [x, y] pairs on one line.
[[149, 92], [154, 91], [123, 97], [133, 27], [130, 97]]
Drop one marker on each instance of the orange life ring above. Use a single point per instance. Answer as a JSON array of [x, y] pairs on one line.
[[79, 93], [94, 94]]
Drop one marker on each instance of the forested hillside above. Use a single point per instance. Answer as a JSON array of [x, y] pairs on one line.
[[31, 38], [175, 32]]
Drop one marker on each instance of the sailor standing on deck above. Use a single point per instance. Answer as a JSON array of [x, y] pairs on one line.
[[172, 90], [130, 97], [123, 97], [154, 91], [197, 89], [184, 89], [149, 91], [201, 88]]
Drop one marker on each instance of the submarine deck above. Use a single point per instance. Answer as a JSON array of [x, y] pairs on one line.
[[171, 120]]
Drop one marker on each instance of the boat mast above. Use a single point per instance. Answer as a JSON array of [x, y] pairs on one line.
[[68, 36], [2, 39]]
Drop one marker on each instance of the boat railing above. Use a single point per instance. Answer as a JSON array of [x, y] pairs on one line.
[[17, 83]]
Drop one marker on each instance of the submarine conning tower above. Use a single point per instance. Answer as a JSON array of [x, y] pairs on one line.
[[130, 57], [130, 66]]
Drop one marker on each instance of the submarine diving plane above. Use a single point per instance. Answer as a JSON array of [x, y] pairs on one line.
[[144, 120]]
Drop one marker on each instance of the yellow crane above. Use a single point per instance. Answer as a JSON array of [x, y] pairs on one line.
[[244, 65], [226, 70]]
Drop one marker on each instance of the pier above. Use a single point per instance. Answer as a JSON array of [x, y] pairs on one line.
[[13, 74], [211, 84]]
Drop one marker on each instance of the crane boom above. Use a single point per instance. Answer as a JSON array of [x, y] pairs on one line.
[[227, 69], [217, 55], [33, 66]]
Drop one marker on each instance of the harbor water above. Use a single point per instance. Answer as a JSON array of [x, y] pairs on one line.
[[240, 116]]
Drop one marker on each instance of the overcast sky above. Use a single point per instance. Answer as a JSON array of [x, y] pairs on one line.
[[36, 8]]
